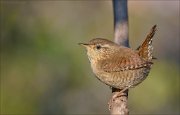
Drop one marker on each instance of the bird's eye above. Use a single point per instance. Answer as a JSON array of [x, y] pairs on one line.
[[98, 47]]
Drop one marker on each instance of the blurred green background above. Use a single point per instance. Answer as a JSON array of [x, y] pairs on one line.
[[43, 70]]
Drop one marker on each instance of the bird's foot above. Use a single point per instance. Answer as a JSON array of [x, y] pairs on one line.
[[117, 94]]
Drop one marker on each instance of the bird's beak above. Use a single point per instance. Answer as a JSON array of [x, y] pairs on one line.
[[83, 44]]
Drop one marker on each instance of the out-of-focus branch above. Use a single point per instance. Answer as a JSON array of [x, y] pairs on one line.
[[118, 105], [121, 22]]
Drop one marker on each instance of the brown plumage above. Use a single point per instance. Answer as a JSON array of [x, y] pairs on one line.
[[118, 66], [145, 50]]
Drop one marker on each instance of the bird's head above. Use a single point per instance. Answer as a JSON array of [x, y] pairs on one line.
[[99, 48]]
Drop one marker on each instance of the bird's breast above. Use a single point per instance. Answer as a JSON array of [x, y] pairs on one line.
[[120, 79]]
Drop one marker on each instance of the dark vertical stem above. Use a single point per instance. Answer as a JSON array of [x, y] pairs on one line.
[[118, 105], [121, 22]]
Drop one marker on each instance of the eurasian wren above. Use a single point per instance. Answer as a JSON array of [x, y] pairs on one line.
[[118, 66]]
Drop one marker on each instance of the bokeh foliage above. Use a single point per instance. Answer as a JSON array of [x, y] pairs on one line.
[[43, 70]]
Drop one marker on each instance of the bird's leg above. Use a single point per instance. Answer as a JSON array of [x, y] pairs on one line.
[[120, 93], [117, 93]]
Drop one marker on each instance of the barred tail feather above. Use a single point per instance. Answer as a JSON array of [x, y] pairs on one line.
[[146, 49]]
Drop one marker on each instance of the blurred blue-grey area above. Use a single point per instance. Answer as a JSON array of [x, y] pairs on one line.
[[44, 71]]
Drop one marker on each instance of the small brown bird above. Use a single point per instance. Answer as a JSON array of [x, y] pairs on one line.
[[118, 66]]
